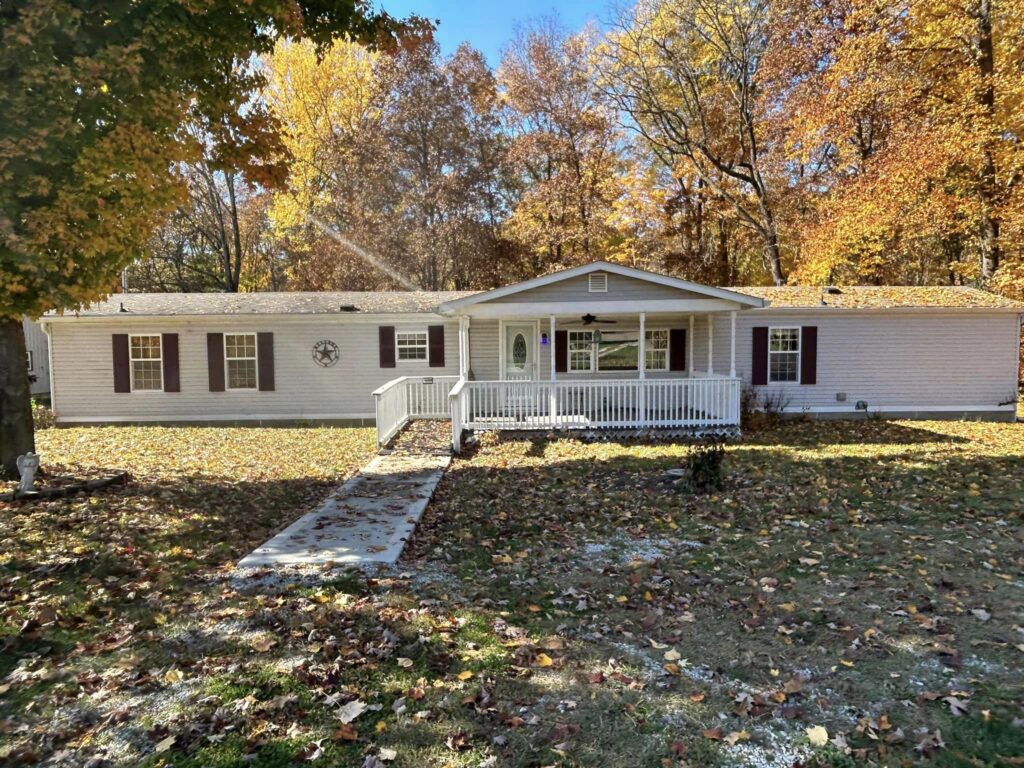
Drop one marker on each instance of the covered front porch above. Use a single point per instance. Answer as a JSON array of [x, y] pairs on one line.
[[624, 351]]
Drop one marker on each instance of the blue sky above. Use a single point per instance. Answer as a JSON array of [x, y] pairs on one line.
[[489, 25]]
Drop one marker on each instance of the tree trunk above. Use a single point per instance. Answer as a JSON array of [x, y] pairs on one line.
[[990, 252], [16, 436]]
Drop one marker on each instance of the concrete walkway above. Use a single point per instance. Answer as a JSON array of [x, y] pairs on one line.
[[369, 518]]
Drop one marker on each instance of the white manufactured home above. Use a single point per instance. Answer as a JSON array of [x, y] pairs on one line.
[[598, 346]]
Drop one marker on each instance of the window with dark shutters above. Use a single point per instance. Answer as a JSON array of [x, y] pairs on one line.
[[122, 374], [759, 356], [677, 349], [809, 354], [386, 343], [435, 344], [172, 375], [215, 360], [561, 351]]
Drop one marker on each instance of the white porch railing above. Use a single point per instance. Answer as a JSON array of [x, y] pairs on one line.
[[410, 397], [695, 402]]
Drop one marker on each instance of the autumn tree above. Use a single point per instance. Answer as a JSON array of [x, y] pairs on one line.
[[565, 150], [915, 109], [687, 75], [396, 166], [94, 97]]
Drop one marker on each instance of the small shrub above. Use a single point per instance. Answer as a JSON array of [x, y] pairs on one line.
[[42, 417], [704, 466]]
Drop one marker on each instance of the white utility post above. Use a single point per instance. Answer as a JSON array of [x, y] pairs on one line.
[[711, 343], [689, 350], [732, 345]]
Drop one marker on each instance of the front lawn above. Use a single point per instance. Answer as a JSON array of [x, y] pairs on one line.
[[852, 597]]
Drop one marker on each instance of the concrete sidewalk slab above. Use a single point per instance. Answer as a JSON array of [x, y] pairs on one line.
[[366, 521]]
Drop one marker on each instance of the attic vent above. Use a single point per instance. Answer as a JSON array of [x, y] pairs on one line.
[[598, 282], [349, 308]]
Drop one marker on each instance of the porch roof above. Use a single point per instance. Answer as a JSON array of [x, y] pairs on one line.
[[651, 292]]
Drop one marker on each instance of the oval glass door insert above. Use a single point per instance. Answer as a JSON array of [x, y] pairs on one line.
[[519, 351]]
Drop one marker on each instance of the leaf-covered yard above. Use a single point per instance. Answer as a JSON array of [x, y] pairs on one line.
[[853, 596]]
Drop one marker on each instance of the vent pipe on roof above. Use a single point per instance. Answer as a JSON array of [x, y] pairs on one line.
[[122, 308]]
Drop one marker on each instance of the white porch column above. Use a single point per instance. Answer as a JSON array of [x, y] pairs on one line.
[[551, 343], [642, 362], [689, 351], [732, 344], [464, 347], [553, 397], [641, 395], [711, 342]]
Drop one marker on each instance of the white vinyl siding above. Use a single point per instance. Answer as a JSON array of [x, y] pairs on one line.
[[146, 363], [240, 361], [85, 386]]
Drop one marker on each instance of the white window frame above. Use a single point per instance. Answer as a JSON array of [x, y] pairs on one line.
[[255, 358], [592, 355], [648, 348], [31, 360], [799, 352], [425, 346], [132, 360]]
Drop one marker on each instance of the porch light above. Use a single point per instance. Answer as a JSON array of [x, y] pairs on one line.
[[543, 339]]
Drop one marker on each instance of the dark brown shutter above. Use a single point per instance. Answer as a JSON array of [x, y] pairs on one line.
[[435, 345], [809, 354], [561, 351], [759, 356], [386, 335], [169, 352], [677, 349], [265, 361], [122, 376], [215, 360]]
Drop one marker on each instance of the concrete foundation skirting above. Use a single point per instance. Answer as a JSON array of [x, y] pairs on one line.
[[996, 414], [360, 422]]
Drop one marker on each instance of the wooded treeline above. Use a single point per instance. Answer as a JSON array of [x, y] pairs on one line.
[[726, 141]]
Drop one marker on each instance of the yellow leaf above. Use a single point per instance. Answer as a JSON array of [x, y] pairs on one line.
[[465, 675], [543, 660], [817, 735]]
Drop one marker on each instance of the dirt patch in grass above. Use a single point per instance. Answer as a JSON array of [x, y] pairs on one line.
[[853, 596]]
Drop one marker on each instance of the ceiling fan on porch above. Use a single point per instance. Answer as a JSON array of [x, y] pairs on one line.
[[589, 319]]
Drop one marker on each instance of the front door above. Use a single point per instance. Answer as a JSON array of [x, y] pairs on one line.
[[520, 351]]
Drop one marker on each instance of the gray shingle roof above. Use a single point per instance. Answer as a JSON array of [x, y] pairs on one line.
[[880, 297], [401, 302], [293, 303]]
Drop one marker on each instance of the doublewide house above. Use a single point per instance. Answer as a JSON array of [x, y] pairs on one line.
[[599, 346]]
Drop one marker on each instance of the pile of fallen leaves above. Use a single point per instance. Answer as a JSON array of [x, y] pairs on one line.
[[850, 596]]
